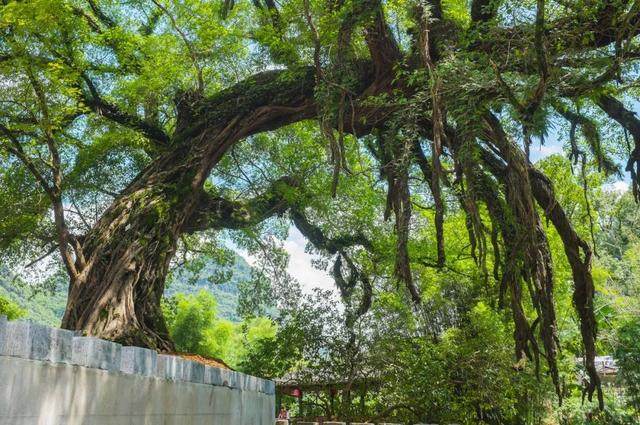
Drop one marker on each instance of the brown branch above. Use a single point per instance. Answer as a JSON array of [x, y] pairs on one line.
[[628, 120], [381, 43], [316, 236], [64, 235], [581, 269], [316, 40], [214, 212], [591, 135], [578, 254], [187, 42], [100, 106], [531, 242], [438, 139]]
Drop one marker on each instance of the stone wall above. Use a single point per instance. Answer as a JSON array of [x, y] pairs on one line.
[[52, 376]]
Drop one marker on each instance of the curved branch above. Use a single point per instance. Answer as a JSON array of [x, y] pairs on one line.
[[591, 135], [578, 253], [338, 245], [214, 212], [628, 120], [581, 270], [382, 45], [316, 236]]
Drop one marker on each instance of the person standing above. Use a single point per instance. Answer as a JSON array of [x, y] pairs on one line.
[[284, 413]]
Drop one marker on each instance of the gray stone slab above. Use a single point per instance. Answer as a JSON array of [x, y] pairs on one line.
[[139, 361], [335, 423], [250, 383], [33, 341], [96, 353], [270, 387], [169, 367], [16, 339], [61, 349], [3, 329], [232, 379], [69, 395], [244, 382], [193, 371], [239, 379], [256, 384], [213, 376]]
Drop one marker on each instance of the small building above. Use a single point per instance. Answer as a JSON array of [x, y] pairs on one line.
[[605, 366], [322, 390]]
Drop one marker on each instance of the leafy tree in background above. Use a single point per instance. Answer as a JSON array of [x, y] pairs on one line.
[[627, 356], [196, 328], [10, 309], [191, 318]]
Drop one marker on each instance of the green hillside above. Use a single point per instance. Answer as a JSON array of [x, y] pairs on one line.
[[47, 306], [224, 288], [42, 306]]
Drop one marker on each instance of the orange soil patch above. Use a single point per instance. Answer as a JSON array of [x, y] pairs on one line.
[[204, 360]]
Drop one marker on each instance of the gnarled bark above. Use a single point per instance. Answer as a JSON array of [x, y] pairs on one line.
[[128, 251]]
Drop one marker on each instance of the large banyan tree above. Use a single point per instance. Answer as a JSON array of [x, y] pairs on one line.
[[115, 116]]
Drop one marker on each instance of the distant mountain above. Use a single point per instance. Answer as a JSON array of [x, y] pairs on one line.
[[226, 293], [47, 307]]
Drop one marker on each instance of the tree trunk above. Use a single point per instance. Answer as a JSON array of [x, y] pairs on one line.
[[128, 252]]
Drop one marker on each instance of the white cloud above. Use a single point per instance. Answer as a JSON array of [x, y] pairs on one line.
[[300, 266], [551, 147], [619, 186]]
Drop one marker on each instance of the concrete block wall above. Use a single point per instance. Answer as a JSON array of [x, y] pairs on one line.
[[51, 376]]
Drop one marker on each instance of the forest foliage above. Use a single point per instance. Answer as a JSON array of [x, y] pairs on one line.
[[142, 139]]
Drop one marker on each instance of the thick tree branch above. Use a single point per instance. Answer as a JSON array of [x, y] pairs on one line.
[[578, 253], [581, 270], [100, 106], [316, 236], [566, 36], [266, 101], [213, 212], [382, 45], [630, 122]]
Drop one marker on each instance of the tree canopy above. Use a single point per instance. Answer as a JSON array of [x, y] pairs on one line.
[[397, 137]]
